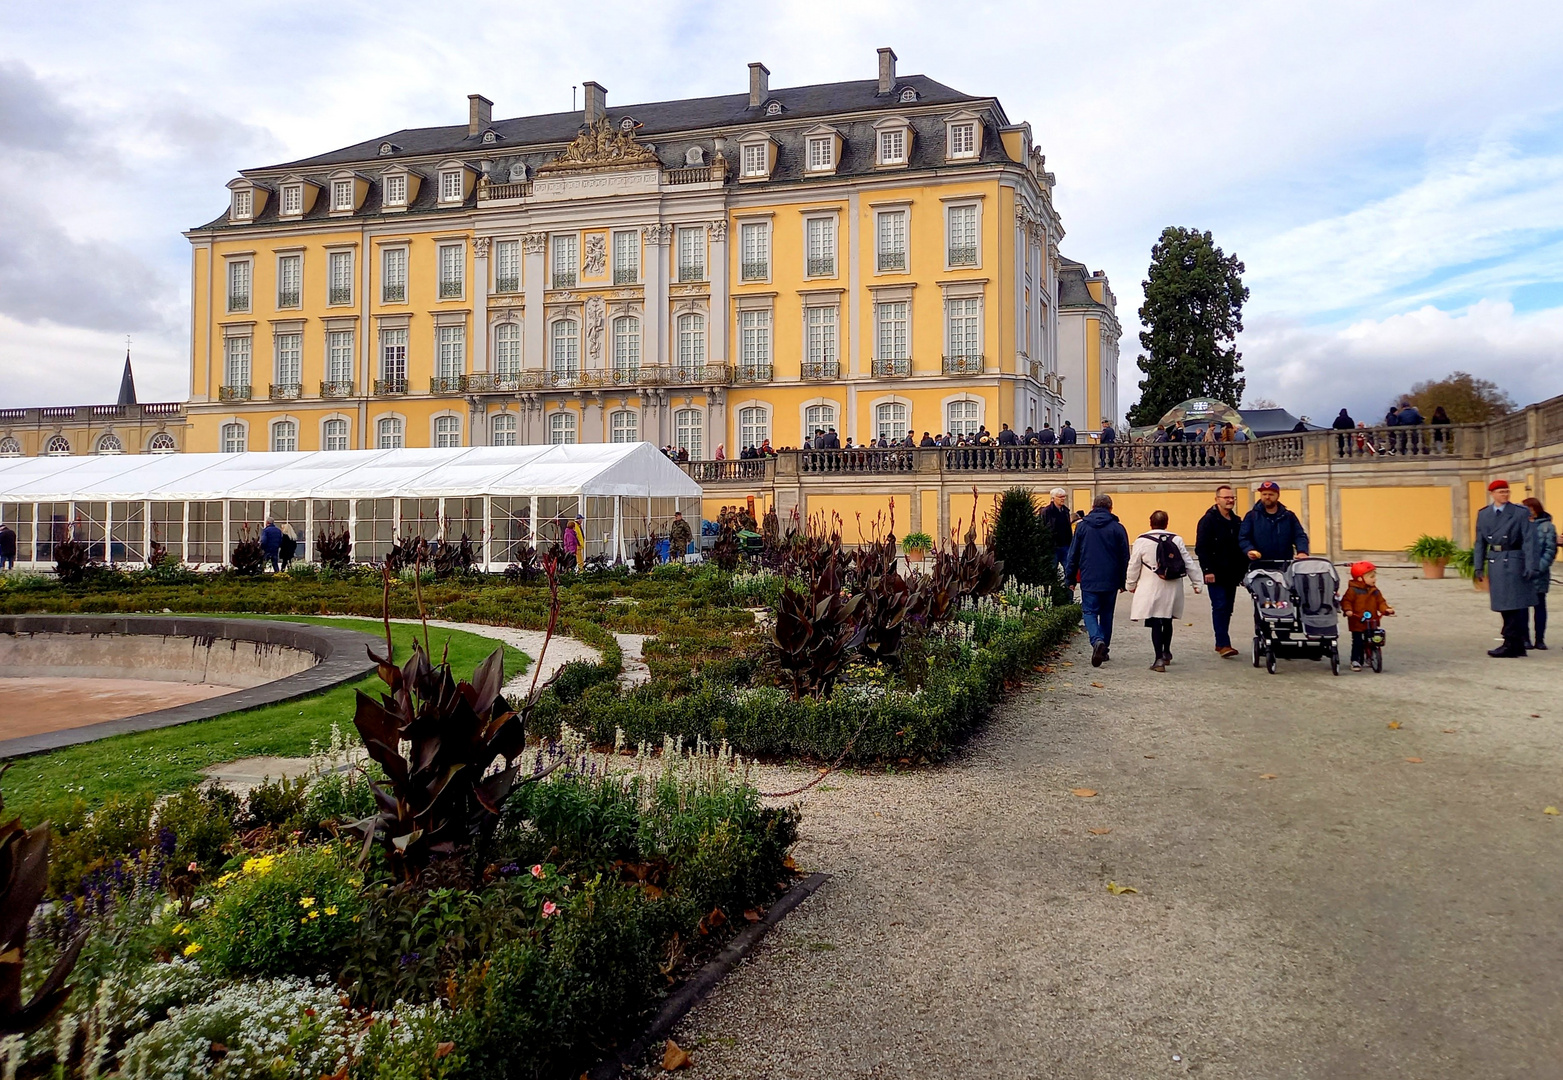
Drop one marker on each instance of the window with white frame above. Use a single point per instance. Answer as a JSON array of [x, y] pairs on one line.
[[284, 435], [396, 190], [691, 336], [626, 348], [234, 438], [565, 355], [292, 200], [891, 330], [341, 194], [624, 426], [109, 443], [503, 428], [891, 421], [290, 281], [821, 153], [447, 431], [334, 434], [59, 445], [692, 253], [341, 278], [819, 234], [962, 417], [754, 426], [689, 431], [626, 257], [243, 202], [239, 285], [818, 418], [390, 433], [393, 359], [453, 271], [756, 159], [450, 357], [820, 340], [561, 428], [963, 140], [963, 327], [393, 276], [962, 229], [507, 349], [754, 245], [507, 266], [10, 446], [566, 260], [236, 362], [290, 359], [892, 146], [339, 357], [754, 342], [451, 186], [890, 239]]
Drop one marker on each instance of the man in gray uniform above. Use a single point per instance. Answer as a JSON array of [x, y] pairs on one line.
[[1506, 554]]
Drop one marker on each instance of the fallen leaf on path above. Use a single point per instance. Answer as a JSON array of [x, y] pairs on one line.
[[1535, 716], [1104, 832], [1099, 686], [1069, 663], [1118, 890], [789, 864], [752, 914], [674, 1057], [1268, 775], [1414, 760], [1448, 731], [1551, 810], [1083, 792], [1393, 725], [1151, 757]]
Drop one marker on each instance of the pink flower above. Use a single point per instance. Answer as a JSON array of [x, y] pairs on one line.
[[537, 871], [193, 867], [549, 908]]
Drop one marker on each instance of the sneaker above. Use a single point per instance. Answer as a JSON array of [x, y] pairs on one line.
[[1228, 652], [1355, 666], [1098, 653], [1158, 665]]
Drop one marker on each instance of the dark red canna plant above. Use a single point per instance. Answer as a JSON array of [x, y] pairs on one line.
[[24, 875], [814, 636]]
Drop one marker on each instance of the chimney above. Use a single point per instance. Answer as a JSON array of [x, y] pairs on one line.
[[759, 84], [886, 70], [480, 113], [596, 102]]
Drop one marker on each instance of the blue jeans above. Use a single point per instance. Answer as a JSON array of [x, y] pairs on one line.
[[1097, 610], [1221, 599]]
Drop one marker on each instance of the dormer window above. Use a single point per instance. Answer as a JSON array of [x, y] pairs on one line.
[[245, 200], [773, 108], [755, 163], [243, 204], [962, 137], [341, 195], [387, 149], [908, 96], [293, 200], [491, 136], [892, 147], [395, 190], [450, 186]]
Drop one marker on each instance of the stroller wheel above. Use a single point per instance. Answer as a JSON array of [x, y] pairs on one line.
[[1270, 659], [1259, 654], [1376, 659], [1334, 661]]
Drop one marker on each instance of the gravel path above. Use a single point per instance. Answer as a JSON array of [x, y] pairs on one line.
[[1360, 914]]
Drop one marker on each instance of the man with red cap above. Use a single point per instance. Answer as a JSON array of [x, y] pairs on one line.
[[1507, 556]]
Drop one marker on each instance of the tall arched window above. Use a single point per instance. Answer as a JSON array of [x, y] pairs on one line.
[[108, 443], [624, 426], [818, 418], [334, 435], [10, 447], [235, 440], [162, 443], [507, 349], [284, 435], [688, 431], [561, 428], [963, 417], [566, 353], [890, 421], [691, 344], [626, 348], [390, 433], [447, 431], [754, 426], [504, 428]]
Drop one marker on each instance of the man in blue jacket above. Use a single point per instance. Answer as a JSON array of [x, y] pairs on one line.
[[1271, 532], [271, 543], [1099, 561]]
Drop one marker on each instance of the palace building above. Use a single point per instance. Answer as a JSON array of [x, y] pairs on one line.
[[878, 256]]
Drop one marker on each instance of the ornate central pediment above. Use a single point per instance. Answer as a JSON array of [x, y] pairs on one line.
[[601, 146]]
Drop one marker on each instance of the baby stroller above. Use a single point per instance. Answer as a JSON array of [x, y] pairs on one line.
[[1295, 612]]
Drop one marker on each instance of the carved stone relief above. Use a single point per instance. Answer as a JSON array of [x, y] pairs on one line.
[[718, 231], [534, 243], [595, 260], [480, 246], [595, 319], [660, 235]]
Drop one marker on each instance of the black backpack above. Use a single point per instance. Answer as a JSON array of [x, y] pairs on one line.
[[1169, 560]]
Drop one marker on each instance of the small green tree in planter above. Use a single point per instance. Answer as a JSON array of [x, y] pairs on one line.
[[916, 545], [1017, 538], [1434, 553]]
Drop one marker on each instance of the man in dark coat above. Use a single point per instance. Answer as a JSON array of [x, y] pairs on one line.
[[1055, 519], [1068, 437], [1222, 558], [1270, 532], [1099, 561], [7, 547], [271, 543], [1508, 557]]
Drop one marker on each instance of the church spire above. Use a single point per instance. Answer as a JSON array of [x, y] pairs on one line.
[[127, 384]]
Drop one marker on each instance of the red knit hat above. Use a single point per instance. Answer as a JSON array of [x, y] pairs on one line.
[[1362, 569], [1496, 484]]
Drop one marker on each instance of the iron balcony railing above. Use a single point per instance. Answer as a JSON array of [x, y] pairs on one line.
[[286, 391], [233, 393], [564, 279], [892, 367], [446, 384], [387, 387], [626, 275], [822, 267], [699, 375], [691, 272], [393, 293], [507, 284], [239, 301], [336, 388], [625, 374], [964, 364], [757, 271], [822, 369], [892, 260], [341, 294], [963, 256], [752, 374], [451, 290], [563, 378], [289, 298]]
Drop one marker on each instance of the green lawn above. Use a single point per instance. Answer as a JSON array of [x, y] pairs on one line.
[[170, 759]]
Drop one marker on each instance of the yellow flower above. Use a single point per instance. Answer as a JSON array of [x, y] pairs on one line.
[[192, 948], [306, 902], [181, 928], [331, 910], [260, 864]]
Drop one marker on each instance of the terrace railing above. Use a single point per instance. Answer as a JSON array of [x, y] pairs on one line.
[[737, 469], [856, 461]]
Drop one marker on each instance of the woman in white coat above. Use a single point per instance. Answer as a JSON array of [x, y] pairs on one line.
[[1158, 600]]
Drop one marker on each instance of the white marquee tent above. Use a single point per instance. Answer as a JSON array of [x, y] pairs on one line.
[[200, 505]]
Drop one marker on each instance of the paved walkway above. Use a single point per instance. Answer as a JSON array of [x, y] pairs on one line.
[[1359, 914]]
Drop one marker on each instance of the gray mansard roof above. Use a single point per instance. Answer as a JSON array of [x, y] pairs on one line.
[[1072, 291], [534, 140]]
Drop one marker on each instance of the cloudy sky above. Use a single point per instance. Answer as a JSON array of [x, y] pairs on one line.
[[1391, 173]]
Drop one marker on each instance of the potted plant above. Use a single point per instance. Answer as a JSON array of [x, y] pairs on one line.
[[1433, 552], [916, 546], [1464, 563]]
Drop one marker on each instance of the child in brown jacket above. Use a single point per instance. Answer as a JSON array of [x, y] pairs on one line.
[[1363, 605]]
